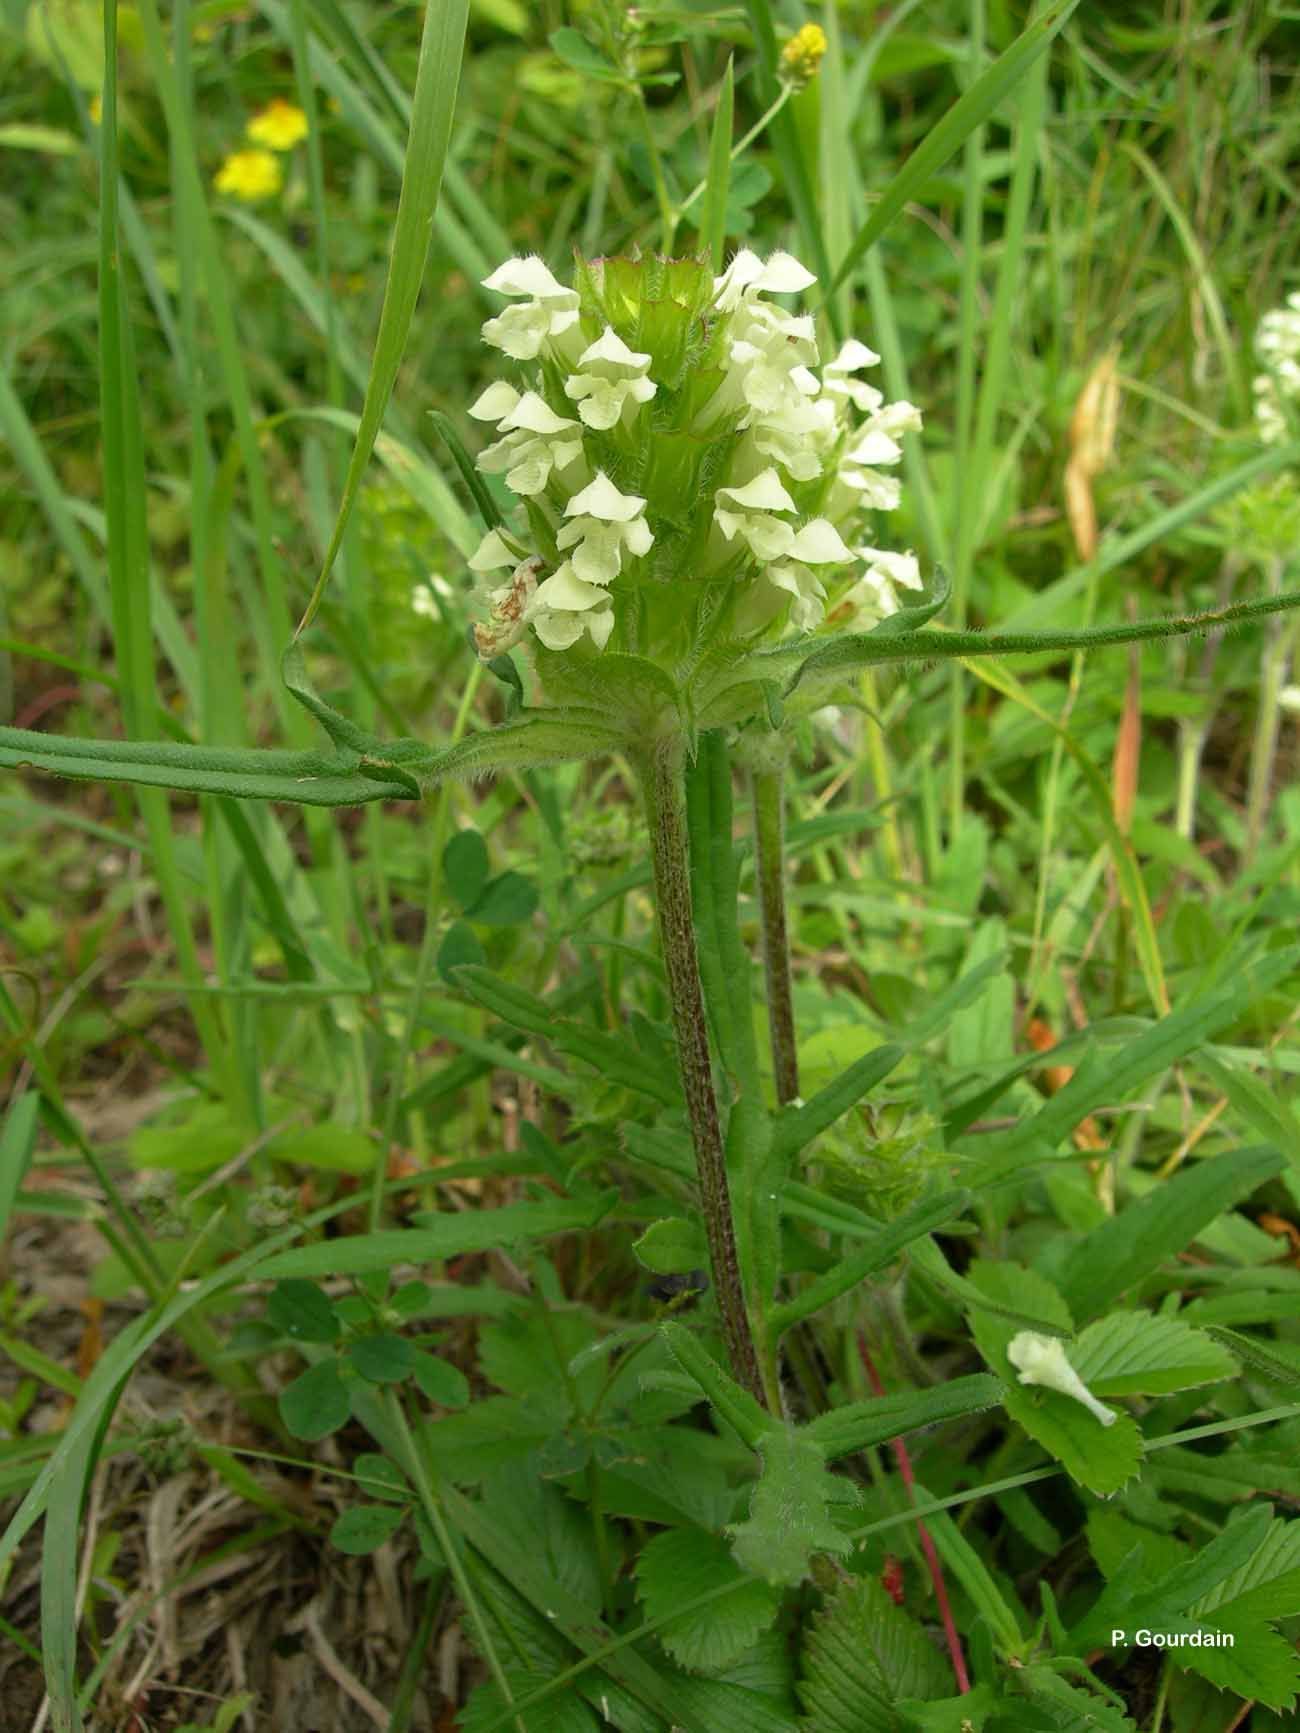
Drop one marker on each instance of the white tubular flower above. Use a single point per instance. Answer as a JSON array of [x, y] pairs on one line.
[[874, 596], [818, 543], [1041, 1360], [611, 376], [603, 523], [565, 607], [766, 537], [549, 310], [747, 275], [838, 380], [537, 441]]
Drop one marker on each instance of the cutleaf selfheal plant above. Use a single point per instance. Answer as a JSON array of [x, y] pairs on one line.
[[691, 560]]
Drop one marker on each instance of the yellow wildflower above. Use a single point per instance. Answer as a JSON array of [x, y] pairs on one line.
[[802, 54], [96, 109], [250, 175], [279, 126]]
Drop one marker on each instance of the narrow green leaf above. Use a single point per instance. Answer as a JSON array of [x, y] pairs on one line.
[[713, 216], [944, 140], [914, 1224], [444, 1237], [1127, 1247], [437, 76], [736, 1406], [861, 1425], [477, 488], [17, 1141], [798, 1126]]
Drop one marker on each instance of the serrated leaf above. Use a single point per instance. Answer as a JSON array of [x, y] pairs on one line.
[[680, 1565], [1073, 1708], [789, 1511], [1099, 1457], [366, 1526], [861, 1655], [1138, 1354], [1259, 1665], [316, 1403], [1113, 1537], [965, 1714]]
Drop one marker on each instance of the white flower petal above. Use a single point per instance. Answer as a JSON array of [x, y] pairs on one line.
[[491, 553], [784, 275], [852, 356], [567, 592], [526, 276], [763, 493], [535, 414], [558, 631], [875, 447], [498, 400], [818, 543], [901, 569], [601, 499], [610, 348], [599, 626]]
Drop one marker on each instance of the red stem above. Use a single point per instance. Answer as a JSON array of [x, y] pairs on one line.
[[927, 1545]]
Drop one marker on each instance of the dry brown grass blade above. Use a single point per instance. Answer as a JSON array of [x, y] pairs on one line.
[[1092, 442]]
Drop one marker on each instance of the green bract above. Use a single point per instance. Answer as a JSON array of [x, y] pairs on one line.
[[692, 480]]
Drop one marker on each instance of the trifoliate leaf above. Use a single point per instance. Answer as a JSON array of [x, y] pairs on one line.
[[862, 1654], [788, 1520], [382, 1359], [1138, 1354], [680, 1565]]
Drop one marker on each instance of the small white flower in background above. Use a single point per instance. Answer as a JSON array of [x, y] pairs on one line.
[[425, 596], [610, 376], [1289, 700], [756, 475], [549, 309], [1277, 344], [1041, 1360]]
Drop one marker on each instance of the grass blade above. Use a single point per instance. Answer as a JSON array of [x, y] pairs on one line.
[[436, 82], [713, 218], [944, 140]]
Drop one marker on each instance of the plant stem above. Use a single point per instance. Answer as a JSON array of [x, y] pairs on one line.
[[904, 1461], [661, 785], [1263, 755], [418, 1466], [769, 852]]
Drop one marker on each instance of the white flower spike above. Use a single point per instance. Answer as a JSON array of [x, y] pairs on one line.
[[1041, 1360], [753, 480]]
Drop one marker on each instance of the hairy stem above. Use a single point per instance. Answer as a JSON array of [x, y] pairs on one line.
[[769, 850], [661, 785]]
